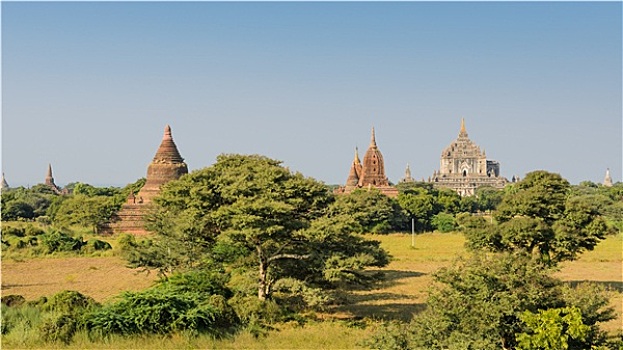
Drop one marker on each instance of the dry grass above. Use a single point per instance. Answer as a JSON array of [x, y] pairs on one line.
[[98, 277], [401, 295]]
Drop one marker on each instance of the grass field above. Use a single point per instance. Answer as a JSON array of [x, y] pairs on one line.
[[402, 294]]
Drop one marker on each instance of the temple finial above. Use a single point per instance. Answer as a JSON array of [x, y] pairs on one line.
[[357, 161], [463, 131], [167, 133], [373, 139], [49, 173]]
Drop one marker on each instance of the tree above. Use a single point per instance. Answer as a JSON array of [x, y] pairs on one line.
[[540, 217], [419, 204], [79, 209], [250, 212], [488, 198], [371, 209], [480, 302]]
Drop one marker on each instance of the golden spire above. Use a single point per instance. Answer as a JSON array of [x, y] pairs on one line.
[[463, 126], [357, 161]]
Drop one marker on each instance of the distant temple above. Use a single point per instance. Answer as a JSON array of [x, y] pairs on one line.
[[5, 185], [407, 177], [167, 165], [464, 167], [49, 181], [608, 179], [370, 174]]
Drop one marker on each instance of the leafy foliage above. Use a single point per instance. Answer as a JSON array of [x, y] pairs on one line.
[[191, 302], [479, 303], [552, 329], [539, 217], [250, 213], [372, 210]]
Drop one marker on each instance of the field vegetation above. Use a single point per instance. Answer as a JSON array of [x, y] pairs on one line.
[[404, 292], [246, 254]]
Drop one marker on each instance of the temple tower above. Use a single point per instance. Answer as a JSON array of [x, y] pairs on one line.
[[355, 172], [608, 179], [407, 177], [49, 180], [5, 185], [167, 165], [373, 166]]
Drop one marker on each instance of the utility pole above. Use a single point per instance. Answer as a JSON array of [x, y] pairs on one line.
[[413, 232]]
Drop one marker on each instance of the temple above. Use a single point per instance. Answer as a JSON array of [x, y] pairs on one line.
[[464, 167], [5, 185], [370, 174], [407, 177], [167, 165], [608, 179]]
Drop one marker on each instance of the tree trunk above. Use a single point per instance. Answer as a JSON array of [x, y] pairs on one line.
[[262, 290]]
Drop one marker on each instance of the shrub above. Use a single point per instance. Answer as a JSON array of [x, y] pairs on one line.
[[194, 301], [58, 327], [32, 230], [94, 245], [444, 222], [68, 301], [13, 300], [13, 231], [57, 241], [161, 312]]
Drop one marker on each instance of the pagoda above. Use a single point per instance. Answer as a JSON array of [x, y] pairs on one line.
[[166, 166], [370, 174]]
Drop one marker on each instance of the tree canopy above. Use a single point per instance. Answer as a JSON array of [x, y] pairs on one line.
[[252, 214], [539, 216]]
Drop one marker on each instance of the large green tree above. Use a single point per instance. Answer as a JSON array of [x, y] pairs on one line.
[[480, 303], [539, 216], [251, 212]]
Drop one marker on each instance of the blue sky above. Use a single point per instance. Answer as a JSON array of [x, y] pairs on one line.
[[90, 86]]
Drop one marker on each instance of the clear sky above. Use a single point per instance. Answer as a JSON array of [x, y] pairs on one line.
[[90, 86]]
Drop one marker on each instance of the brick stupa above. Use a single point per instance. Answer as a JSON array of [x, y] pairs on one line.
[[370, 174], [167, 165]]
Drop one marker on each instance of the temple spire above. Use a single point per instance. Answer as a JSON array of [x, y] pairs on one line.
[[357, 161], [167, 133], [373, 139], [463, 130], [608, 178], [49, 179], [168, 152], [5, 185]]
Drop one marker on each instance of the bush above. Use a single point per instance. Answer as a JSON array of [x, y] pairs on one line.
[[58, 327], [194, 301], [68, 301], [161, 312], [32, 230], [13, 231], [13, 300], [95, 245], [444, 222], [57, 241]]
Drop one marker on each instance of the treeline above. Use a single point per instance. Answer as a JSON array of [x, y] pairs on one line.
[[418, 202], [87, 205]]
